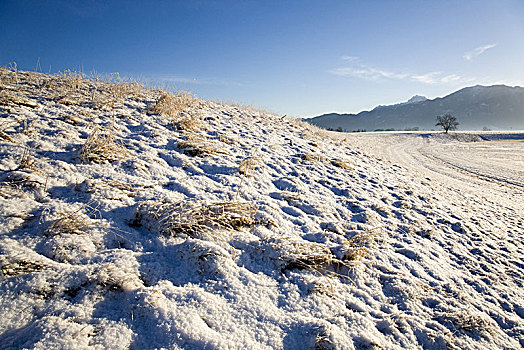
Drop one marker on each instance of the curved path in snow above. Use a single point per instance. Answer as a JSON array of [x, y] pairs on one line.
[[450, 157], [483, 178]]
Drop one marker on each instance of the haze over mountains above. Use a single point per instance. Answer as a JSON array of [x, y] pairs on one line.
[[496, 107]]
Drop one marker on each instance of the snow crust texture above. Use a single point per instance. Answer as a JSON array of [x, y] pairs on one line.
[[132, 218]]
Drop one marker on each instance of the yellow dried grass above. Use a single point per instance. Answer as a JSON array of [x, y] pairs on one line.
[[17, 266], [248, 166], [71, 222], [194, 218], [102, 146], [196, 145], [342, 163]]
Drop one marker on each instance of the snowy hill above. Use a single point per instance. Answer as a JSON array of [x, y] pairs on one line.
[[495, 107], [134, 218]]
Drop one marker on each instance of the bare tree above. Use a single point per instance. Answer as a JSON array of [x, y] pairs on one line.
[[447, 122]]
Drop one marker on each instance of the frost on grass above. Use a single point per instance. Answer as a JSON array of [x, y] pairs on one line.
[[301, 254], [73, 236], [359, 244], [177, 108], [196, 145], [313, 157], [471, 322], [194, 218], [248, 166], [74, 222], [102, 146], [342, 163], [296, 253], [25, 183], [18, 266]]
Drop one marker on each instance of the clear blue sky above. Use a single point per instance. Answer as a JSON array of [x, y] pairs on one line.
[[300, 58]]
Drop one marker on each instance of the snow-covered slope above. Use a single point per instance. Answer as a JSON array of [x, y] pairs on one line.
[[135, 219]]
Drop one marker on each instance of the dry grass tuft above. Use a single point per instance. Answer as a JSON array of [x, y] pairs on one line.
[[172, 106], [9, 98], [69, 87], [8, 190], [248, 166], [323, 341], [300, 254], [309, 131], [177, 107], [71, 119], [188, 123], [26, 161], [165, 105], [13, 126], [16, 267], [25, 182], [313, 157], [323, 288], [342, 163], [6, 126], [296, 253], [473, 322], [68, 101], [102, 146], [228, 139], [73, 222], [194, 218], [112, 188], [100, 92], [196, 145], [9, 74], [358, 246], [72, 80], [120, 88]]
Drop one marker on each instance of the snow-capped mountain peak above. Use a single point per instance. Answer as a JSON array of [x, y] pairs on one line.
[[417, 99]]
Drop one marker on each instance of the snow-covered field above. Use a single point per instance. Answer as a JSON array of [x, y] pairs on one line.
[[132, 219], [489, 156]]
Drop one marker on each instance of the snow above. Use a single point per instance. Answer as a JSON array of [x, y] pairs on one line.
[[358, 241], [417, 99]]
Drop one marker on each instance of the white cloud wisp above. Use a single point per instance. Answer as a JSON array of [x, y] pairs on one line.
[[362, 71], [440, 78], [195, 81], [366, 72], [478, 51]]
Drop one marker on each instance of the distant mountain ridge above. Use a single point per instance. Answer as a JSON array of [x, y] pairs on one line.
[[497, 107]]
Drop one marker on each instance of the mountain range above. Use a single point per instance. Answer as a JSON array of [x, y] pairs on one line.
[[497, 107]]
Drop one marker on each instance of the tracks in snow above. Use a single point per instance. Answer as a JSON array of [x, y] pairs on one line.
[[470, 163]]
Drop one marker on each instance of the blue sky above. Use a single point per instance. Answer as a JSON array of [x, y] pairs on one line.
[[301, 58]]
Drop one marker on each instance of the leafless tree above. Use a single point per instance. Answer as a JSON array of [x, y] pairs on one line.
[[447, 122]]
